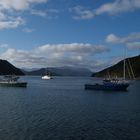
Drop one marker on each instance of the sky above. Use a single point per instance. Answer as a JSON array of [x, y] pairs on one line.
[[89, 34]]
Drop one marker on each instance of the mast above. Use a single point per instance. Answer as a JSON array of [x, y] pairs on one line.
[[124, 69], [124, 64]]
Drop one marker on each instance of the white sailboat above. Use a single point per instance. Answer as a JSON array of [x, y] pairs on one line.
[[47, 76]]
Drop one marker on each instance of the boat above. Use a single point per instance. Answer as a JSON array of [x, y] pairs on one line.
[[111, 84], [12, 81], [114, 84], [46, 77]]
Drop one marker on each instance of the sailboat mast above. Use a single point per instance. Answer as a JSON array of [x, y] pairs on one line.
[[124, 69], [124, 63]]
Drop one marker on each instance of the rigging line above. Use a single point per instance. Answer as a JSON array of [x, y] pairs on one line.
[[131, 69], [127, 66]]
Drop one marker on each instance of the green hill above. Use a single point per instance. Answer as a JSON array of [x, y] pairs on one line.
[[7, 68], [117, 69]]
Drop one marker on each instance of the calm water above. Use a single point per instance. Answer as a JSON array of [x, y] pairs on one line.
[[60, 109]]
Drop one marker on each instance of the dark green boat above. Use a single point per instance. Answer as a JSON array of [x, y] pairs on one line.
[[12, 81]]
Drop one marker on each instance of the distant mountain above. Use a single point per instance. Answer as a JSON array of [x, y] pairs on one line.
[[61, 71], [117, 69], [28, 69], [7, 68]]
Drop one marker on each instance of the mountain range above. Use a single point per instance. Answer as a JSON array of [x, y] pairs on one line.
[[7, 68], [117, 69], [60, 71]]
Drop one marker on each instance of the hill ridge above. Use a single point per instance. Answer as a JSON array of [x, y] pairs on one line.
[[117, 69], [7, 68]]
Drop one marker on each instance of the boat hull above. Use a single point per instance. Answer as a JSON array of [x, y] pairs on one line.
[[13, 84], [113, 87], [46, 77]]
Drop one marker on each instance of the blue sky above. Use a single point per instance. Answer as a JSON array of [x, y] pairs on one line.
[[77, 33]]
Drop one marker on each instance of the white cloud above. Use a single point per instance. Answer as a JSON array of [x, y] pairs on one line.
[[132, 41], [11, 22], [82, 13], [19, 4], [49, 13], [72, 48], [22, 58], [8, 9], [4, 45], [111, 38], [14, 54], [2, 16], [75, 54], [112, 8], [118, 6], [7, 20], [133, 45], [39, 13]]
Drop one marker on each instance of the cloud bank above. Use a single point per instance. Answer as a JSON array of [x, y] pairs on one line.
[[132, 41], [8, 8], [112, 8], [82, 13], [19, 4], [74, 54]]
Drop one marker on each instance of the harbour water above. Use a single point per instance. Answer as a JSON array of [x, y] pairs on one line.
[[61, 109]]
